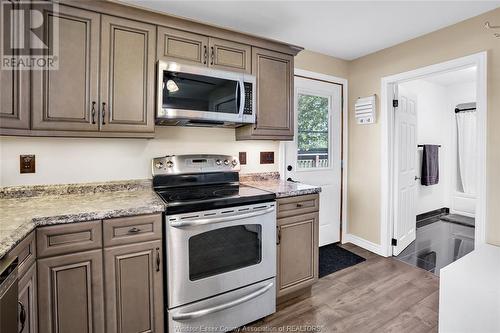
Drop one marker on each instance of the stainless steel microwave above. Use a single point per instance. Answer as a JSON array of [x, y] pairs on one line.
[[201, 96]]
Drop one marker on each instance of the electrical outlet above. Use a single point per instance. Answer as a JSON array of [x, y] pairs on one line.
[[242, 156], [266, 157], [27, 163]]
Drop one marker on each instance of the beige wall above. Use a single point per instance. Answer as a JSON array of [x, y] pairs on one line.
[[365, 73], [320, 63]]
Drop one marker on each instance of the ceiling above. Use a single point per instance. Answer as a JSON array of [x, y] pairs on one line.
[[343, 29], [461, 76]]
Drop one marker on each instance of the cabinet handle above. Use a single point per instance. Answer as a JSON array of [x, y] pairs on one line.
[[278, 238], [93, 113], [205, 54], [299, 205], [212, 55], [103, 113], [134, 230], [158, 260], [22, 316]]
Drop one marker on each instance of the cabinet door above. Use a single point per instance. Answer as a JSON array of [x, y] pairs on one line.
[[182, 46], [127, 75], [14, 99], [297, 252], [229, 55], [274, 72], [70, 293], [66, 98], [14, 95], [134, 288], [28, 303]]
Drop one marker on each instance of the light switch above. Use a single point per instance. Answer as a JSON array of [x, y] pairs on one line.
[[267, 157]]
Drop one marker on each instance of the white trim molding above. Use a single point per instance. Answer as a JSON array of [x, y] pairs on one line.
[[363, 243], [345, 136], [389, 84]]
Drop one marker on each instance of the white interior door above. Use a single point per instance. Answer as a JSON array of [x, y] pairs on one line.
[[314, 157], [405, 166]]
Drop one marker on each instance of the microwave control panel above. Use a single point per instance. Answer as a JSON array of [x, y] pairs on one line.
[[248, 98]]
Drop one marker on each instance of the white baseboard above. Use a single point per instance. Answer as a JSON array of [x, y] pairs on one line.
[[363, 243]]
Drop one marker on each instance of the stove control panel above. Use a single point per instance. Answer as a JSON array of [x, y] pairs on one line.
[[185, 164]]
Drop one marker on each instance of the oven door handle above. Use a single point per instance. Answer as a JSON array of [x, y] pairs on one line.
[[221, 307], [197, 222]]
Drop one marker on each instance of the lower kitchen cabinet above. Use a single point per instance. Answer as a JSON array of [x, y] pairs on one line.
[[297, 252], [27, 298], [134, 288], [70, 293]]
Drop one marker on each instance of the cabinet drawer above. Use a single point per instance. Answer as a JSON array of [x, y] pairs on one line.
[[69, 238], [25, 251], [298, 205], [133, 229]]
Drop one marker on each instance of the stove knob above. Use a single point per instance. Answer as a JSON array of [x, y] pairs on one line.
[[234, 163], [226, 162], [218, 162], [170, 164], [159, 165]]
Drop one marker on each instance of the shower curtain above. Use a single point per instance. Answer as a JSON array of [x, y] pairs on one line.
[[467, 150]]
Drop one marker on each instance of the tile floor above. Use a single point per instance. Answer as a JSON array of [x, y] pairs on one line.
[[438, 244]]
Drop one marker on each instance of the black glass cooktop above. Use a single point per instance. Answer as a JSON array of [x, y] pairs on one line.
[[185, 199]]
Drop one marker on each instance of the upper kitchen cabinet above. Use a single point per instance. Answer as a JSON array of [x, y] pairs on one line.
[[274, 72], [14, 95], [14, 101], [66, 98], [127, 75], [182, 46], [229, 55], [196, 49]]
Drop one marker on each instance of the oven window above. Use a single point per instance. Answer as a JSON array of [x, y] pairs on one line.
[[223, 250], [199, 93]]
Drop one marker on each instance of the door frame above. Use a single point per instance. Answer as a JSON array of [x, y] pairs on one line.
[[387, 118], [344, 147]]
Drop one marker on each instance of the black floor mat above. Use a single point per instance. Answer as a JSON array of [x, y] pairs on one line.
[[333, 258]]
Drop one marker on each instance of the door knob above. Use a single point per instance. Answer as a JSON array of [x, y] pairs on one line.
[[289, 168], [417, 178]]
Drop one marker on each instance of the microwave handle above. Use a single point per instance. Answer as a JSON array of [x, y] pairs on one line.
[[241, 87]]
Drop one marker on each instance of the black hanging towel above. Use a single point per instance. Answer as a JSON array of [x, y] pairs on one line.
[[430, 165]]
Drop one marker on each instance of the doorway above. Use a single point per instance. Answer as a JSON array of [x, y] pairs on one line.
[[314, 157], [434, 188]]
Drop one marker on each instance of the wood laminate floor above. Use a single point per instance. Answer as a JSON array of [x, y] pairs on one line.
[[377, 295]]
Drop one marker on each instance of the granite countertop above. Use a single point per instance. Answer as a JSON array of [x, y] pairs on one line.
[[20, 215], [23, 208], [271, 182]]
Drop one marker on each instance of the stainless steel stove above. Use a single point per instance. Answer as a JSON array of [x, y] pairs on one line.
[[220, 244]]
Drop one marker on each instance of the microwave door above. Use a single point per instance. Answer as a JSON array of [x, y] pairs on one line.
[[196, 96]]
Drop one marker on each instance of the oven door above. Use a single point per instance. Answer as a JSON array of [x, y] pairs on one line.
[[203, 95], [212, 252]]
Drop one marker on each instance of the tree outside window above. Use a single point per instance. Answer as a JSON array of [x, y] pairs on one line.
[[313, 137]]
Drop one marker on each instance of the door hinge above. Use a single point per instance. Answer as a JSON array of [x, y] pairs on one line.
[[342, 164], [394, 242], [395, 103]]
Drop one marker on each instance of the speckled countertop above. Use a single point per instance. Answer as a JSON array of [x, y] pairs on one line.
[[271, 182], [20, 215], [23, 208]]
